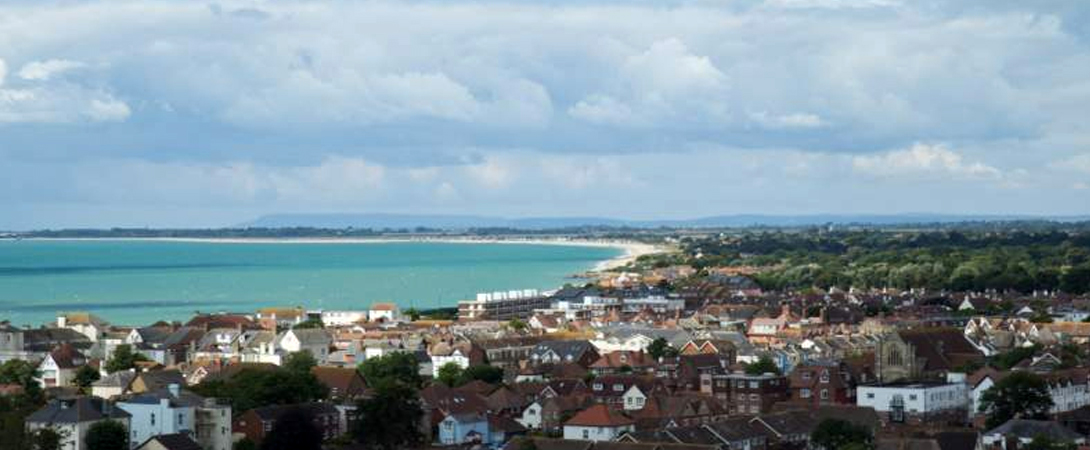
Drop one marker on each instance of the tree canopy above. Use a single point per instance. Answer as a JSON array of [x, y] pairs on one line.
[[761, 366], [393, 367], [251, 388], [390, 420], [1020, 394], [453, 375], [107, 435], [659, 348], [836, 434], [294, 430], [124, 358]]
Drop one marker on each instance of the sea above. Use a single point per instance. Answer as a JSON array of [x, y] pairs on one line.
[[138, 282]]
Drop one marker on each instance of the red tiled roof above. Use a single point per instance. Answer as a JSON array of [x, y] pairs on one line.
[[599, 416]]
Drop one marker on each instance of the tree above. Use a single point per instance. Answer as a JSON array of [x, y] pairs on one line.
[[309, 323], [483, 372], [107, 435], [413, 314], [390, 420], [835, 434], [244, 444], [449, 374], [763, 365], [659, 348], [517, 325], [124, 359], [17, 371], [397, 367], [294, 430], [1076, 280], [300, 362], [1020, 394], [1043, 442], [251, 388], [46, 439], [86, 375]]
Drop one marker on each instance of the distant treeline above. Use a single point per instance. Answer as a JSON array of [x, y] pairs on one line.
[[961, 260]]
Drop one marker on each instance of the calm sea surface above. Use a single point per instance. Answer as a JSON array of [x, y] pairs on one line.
[[139, 282]]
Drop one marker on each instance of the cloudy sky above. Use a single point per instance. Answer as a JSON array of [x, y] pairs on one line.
[[168, 113]]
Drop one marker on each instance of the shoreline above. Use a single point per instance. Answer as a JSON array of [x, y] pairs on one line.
[[631, 250]]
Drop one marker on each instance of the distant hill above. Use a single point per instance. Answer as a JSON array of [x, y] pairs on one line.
[[454, 222]]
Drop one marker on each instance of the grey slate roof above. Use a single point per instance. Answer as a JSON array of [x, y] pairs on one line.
[[564, 349], [175, 441], [76, 410], [184, 398], [1031, 428], [45, 339], [121, 379]]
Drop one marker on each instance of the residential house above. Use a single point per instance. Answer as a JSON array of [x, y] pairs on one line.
[[1016, 433], [462, 353], [72, 417], [822, 383], [767, 329], [256, 423], [58, 369], [598, 423], [172, 410], [627, 392], [11, 343], [384, 312], [925, 353], [83, 323], [574, 351], [746, 394], [316, 341], [274, 319], [177, 441], [113, 385], [343, 318], [622, 362], [345, 384]]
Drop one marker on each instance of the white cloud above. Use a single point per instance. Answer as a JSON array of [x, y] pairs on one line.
[[1077, 163], [923, 159], [3, 72], [787, 121], [44, 70]]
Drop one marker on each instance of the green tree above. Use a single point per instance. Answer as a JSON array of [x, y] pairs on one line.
[[449, 374], [1043, 442], [244, 444], [836, 434], [517, 325], [17, 371], [124, 358], [1020, 394], [390, 420], [413, 314], [86, 375], [483, 372], [659, 348], [294, 430], [107, 435], [309, 323], [300, 362], [46, 439], [397, 366], [251, 388], [1076, 280], [763, 365]]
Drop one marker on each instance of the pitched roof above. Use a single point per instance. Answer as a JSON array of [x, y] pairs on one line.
[[599, 416], [942, 348], [76, 410], [174, 441], [339, 379], [274, 412], [67, 357], [1031, 428]]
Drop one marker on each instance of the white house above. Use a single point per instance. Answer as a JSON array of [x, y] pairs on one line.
[[531, 416], [72, 417], [314, 340], [58, 369], [386, 312], [598, 423], [173, 410], [443, 353], [86, 324], [915, 401]]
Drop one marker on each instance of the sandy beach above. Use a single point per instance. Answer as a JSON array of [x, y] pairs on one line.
[[631, 249]]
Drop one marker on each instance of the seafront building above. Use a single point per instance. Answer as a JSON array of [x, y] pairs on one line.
[[517, 304]]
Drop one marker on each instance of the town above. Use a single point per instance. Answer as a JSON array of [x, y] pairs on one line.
[[725, 342]]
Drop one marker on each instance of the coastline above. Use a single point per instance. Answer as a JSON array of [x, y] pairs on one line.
[[631, 250]]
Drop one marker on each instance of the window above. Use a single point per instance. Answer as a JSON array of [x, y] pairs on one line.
[[870, 395], [911, 397], [806, 374], [586, 433], [824, 394], [804, 393], [598, 386], [153, 419], [618, 388], [181, 418], [754, 384], [825, 376]]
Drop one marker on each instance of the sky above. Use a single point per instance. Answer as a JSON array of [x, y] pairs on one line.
[[163, 113]]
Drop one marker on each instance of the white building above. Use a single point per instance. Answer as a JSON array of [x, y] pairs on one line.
[[314, 340], [598, 423], [72, 417], [86, 324], [173, 410], [916, 401], [343, 318], [386, 312]]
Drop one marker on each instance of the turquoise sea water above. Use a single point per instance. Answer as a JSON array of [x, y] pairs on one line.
[[139, 282]]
